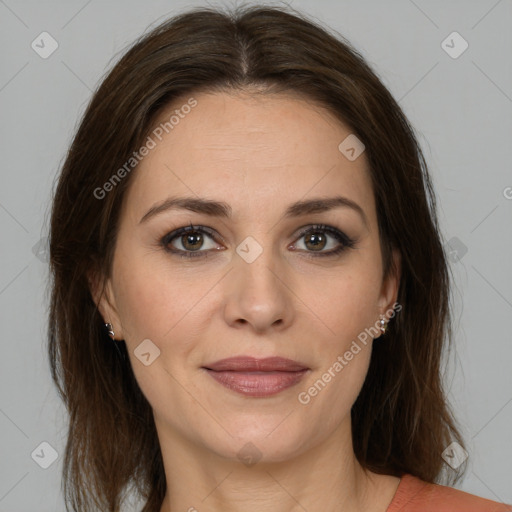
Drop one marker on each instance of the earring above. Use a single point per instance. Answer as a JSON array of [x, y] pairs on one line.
[[383, 324], [110, 330]]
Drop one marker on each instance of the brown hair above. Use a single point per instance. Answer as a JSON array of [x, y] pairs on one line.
[[401, 420]]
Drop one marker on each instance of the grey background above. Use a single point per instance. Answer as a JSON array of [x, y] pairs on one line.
[[461, 108]]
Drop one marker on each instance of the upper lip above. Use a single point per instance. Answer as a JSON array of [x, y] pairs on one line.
[[253, 364]]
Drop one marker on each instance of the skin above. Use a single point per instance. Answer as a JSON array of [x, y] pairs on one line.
[[258, 154]]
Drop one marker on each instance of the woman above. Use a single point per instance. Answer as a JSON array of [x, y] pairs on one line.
[[250, 294]]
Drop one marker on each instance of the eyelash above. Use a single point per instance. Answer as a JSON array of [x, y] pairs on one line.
[[345, 241]]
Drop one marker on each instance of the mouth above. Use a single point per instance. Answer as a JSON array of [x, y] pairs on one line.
[[254, 377]]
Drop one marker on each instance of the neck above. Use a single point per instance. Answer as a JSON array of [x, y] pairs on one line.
[[328, 477]]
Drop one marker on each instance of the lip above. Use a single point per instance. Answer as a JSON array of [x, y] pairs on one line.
[[253, 364], [254, 377]]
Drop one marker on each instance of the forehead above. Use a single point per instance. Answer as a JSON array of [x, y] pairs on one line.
[[249, 150]]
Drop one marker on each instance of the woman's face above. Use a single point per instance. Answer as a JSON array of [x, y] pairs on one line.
[[254, 284]]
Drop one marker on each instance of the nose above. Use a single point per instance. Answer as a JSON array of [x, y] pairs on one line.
[[258, 293]]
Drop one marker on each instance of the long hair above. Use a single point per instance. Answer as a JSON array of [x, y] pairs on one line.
[[401, 421]]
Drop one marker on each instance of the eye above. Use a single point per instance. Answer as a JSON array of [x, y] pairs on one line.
[[316, 238], [190, 238], [189, 241]]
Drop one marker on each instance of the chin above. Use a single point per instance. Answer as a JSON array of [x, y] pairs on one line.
[[260, 441]]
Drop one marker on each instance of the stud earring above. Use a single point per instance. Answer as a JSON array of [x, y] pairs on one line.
[[110, 330], [383, 324]]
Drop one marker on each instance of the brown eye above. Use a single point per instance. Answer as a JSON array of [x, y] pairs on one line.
[[189, 241], [317, 238]]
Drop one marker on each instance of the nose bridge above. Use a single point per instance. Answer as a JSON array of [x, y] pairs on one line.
[[257, 294], [256, 263]]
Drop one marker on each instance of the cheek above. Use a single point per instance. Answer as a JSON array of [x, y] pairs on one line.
[[348, 302], [333, 387], [348, 307], [155, 305], [160, 303], [144, 305]]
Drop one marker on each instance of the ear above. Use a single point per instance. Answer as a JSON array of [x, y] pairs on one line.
[[102, 294], [390, 285]]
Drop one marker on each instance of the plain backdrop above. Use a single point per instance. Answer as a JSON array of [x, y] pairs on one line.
[[459, 102]]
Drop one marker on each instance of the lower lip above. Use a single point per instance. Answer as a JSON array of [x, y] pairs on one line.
[[257, 384]]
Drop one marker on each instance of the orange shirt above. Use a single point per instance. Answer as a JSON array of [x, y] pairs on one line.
[[415, 495]]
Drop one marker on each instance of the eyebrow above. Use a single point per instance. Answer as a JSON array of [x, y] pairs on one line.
[[223, 210]]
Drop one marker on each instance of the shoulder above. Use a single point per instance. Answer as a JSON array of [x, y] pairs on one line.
[[415, 495]]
